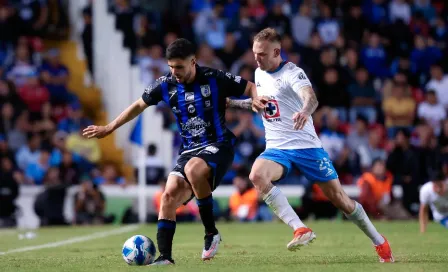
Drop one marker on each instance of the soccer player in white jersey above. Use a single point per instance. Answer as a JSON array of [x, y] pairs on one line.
[[292, 142], [434, 195]]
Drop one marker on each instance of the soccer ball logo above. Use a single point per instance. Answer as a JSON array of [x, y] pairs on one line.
[[139, 250]]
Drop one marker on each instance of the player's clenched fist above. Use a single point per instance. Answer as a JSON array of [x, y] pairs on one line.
[[300, 119], [96, 132], [259, 103]]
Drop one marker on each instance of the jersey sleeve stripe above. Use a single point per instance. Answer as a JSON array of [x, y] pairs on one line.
[[215, 99]]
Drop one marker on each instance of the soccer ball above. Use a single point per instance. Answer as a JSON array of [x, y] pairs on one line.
[[139, 250]]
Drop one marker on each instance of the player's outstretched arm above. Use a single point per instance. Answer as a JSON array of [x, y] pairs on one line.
[[423, 216], [239, 103], [127, 115]]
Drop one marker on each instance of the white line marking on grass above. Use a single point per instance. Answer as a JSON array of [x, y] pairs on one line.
[[74, 240]]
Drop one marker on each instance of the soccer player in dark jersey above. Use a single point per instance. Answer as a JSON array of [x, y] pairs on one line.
[[197, 96]]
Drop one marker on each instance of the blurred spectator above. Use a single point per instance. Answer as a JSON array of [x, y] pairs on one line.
[[109, 176], [355, 24], [327, 26], [69, 170], [277, 20], [55, 76], [315, 203], [35, 171], [363, 97], [75, 120], [185, 213], [443, 141], [371, 151], [209, 26], [29, 153], [333, 93], [439, 83], [302, 25], [399, 110], [155, 170], [256, 9], [17, 135], [5, 151], [424, 54], [432, 111], [33, 16], [152, 64], [243, 203], [34, 95], [230, 52], [419, 25], [49, 205], [403, 163], [207, 57], [359, 134], [374, 57], [87, 37], [399, 10], [9, 191], [90, 205], [88, 151], [425, 9], [376, 193], [21, 68]]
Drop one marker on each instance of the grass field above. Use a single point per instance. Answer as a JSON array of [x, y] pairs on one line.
[[246, 247]]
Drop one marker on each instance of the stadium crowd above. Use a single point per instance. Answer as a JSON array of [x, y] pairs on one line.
[[41, 118]]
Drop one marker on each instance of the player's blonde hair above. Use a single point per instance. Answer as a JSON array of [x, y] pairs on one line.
[[268, 34]]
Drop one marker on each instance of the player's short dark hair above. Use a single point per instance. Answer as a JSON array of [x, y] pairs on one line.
[[180, 49], [268, 34]]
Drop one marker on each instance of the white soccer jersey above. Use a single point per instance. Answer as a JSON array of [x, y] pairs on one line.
[[282, 87], [438, 203]]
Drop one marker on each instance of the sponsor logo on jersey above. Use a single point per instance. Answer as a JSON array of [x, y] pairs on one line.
[[302, 76], [176, 110], [212, 149], [191, 109], [189, 96], [272, 111], [205, 90], [237, 79], [195, 126], [229, 75], [258, 84], [208, 103]]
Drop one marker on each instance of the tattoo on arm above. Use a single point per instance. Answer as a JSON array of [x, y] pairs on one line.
[[309, 100], [242, 104]]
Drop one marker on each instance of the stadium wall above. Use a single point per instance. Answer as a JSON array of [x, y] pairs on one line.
[[28, 219]]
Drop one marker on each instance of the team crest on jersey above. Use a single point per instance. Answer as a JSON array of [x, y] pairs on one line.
[[272, 111], [195, 126], [205, 90], [189, 96]]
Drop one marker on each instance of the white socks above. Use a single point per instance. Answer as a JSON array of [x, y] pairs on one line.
[[280, 206], [360, 218]]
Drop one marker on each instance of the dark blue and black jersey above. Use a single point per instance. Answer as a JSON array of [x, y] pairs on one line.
[[199, 106]]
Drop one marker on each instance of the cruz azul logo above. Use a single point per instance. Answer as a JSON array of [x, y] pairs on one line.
[[195, 126], [272, 111]]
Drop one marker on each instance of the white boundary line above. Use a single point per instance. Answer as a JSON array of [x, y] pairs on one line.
[[74, 240]]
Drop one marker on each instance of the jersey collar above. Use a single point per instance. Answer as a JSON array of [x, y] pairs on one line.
[[278, 68]]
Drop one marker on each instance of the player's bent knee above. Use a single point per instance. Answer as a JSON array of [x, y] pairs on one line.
[[259, 180], [196, 170]]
